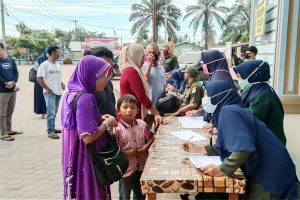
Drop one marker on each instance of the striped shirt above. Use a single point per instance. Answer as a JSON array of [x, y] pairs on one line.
[[133, 137]]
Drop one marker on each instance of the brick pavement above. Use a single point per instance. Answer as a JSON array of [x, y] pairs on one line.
[[30, 166]]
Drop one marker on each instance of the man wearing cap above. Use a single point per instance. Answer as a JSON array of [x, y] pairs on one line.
[[191, 99], [251, 53]]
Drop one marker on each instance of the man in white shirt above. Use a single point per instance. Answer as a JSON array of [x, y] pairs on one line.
[[49, 77]]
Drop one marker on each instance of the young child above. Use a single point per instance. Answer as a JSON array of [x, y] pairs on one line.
[[134, 138]]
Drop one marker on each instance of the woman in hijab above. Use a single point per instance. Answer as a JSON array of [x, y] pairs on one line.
[[39, 100], [133, 81], [259, 97], [178, 80], [243, 140], [216, 67], [84, 127]]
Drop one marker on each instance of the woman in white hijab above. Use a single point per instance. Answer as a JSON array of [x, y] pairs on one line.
[[133, 81]]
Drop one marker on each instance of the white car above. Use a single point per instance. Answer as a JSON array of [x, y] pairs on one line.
[[192, 58]]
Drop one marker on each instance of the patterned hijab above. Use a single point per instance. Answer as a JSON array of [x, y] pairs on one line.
[[83, 79], [260, 76], [219, 69]]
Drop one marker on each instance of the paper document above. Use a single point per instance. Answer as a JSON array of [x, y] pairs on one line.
[[201, 161], [192, 122], [189, 135]]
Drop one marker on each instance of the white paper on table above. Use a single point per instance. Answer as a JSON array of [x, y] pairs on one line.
[[201, 161], [187, 134], [192, 122]]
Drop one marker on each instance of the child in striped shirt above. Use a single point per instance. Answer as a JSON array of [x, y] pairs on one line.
[[135, 138]]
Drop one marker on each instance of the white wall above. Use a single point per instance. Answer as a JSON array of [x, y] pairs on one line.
[[292, 132]]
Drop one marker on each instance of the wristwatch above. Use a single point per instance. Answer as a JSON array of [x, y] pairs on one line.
[[106, 124]]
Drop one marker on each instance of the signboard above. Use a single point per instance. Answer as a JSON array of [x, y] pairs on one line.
[[260, 19], [112, 43]]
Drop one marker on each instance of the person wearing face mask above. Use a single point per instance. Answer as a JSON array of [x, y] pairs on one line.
[[243, 140], [193, 93], [170, 61], [251, 53], [216, 67], [260, 97], [156, 77], [134, 82]]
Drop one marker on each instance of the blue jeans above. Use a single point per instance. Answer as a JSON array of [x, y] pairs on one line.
[[52, 103], [129, 183]]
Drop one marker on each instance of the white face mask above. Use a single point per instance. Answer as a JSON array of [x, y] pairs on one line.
[[208, 106], [244, 83]]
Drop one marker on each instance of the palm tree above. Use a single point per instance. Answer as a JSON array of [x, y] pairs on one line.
[[142, 15], [204, 12], [237, 23]]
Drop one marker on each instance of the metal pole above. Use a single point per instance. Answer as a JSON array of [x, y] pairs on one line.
[[154, 21], [3, 23], [166, 20]]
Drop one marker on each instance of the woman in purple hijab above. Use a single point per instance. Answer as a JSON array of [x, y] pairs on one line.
[[84, 127]]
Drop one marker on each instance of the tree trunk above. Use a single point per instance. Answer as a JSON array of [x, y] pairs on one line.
[[206, 31]]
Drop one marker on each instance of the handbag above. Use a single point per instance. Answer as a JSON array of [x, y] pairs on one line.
[[32, 75], [109, 164], [169, 103]]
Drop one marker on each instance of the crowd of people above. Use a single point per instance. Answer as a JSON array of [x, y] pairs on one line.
[[255, 142]]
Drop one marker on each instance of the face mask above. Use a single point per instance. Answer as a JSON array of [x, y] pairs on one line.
[[244, 83], [204, 66], [156, 57], [166, 53], [208, 106]]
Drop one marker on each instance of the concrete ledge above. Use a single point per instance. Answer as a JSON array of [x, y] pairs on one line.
[[291, 104]]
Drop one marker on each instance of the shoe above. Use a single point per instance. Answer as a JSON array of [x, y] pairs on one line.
[[44, 116], [15, 132], [57, 131], [53, 135], [6, 138]]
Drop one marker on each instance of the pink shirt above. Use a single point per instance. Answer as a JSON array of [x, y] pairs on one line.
[[133, 137]]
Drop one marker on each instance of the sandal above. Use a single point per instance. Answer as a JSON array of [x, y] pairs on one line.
[[53, 136], [15, 132], [6, 138]]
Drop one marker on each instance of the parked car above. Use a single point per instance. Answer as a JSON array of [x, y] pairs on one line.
[[192, 58]]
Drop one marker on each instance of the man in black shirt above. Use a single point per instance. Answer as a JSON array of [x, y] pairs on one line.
[[106, 100], [8, 77]]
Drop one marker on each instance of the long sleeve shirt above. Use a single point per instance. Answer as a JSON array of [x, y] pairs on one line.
[[8, 72], [131, 83]]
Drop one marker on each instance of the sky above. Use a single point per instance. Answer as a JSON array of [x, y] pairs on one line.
[[93, 15]]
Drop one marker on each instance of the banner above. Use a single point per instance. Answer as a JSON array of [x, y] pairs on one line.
[[260, 19], [112, 43]]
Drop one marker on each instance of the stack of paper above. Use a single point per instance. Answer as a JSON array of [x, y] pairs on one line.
[[201, 161], [192, 122], [189, 135]]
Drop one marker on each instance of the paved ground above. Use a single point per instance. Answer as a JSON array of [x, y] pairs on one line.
[[30, 166]]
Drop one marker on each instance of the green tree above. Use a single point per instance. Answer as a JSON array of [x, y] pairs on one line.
[[23, 29], [17, 53], [142, 14], [142, 36], [204, 12], [237, 24]]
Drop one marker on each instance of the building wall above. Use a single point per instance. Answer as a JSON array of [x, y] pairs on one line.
[[278, 46]]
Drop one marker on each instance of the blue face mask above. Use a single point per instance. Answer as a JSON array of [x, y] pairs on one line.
[[208, 106], [244, 83]]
